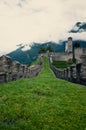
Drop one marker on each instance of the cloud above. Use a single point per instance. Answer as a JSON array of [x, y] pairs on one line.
[[26, 21]]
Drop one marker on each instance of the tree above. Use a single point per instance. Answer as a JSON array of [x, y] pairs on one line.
[[42, 50], [76, 45], [49, 48]]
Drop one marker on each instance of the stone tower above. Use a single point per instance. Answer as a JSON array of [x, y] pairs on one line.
[[68, 47]]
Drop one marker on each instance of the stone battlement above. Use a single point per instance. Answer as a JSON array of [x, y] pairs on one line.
[[13, 70]]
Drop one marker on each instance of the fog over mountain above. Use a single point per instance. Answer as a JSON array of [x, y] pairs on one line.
[[28, 21]]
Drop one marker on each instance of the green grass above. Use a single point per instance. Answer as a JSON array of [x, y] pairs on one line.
[[42, 103], [38, 61], [62, 64]]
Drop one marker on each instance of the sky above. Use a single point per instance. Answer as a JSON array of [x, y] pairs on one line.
[[27, 21]]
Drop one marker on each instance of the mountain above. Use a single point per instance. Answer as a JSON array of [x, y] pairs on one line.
[[78, 27], [82, 43], [26, 54]]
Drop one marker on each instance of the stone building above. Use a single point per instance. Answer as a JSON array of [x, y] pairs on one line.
[[83, 56], [83, 61]]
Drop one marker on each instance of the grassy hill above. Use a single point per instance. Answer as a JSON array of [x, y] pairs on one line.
[[42, 103]]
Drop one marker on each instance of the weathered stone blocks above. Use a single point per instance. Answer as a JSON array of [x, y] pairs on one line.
[[13, 70]]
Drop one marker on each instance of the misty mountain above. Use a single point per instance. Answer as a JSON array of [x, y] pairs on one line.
[[78, 27], [27, 56], [31, 54], [26, 53]]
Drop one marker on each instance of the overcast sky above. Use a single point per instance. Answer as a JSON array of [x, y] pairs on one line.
[[26, 21]]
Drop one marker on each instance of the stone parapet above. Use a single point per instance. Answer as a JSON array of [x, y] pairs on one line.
[[13, 70]]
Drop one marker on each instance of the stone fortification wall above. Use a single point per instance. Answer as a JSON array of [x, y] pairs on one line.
[[75, 73], [13, 70]]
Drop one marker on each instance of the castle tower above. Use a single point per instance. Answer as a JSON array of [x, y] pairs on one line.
[[68, 47]]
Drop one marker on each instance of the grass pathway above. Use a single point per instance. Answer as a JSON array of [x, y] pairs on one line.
[[42, 103]]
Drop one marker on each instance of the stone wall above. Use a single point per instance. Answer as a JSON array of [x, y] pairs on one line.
[[74, 76], [13, 70], [75, 73], [61, 56], [80, 55]]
